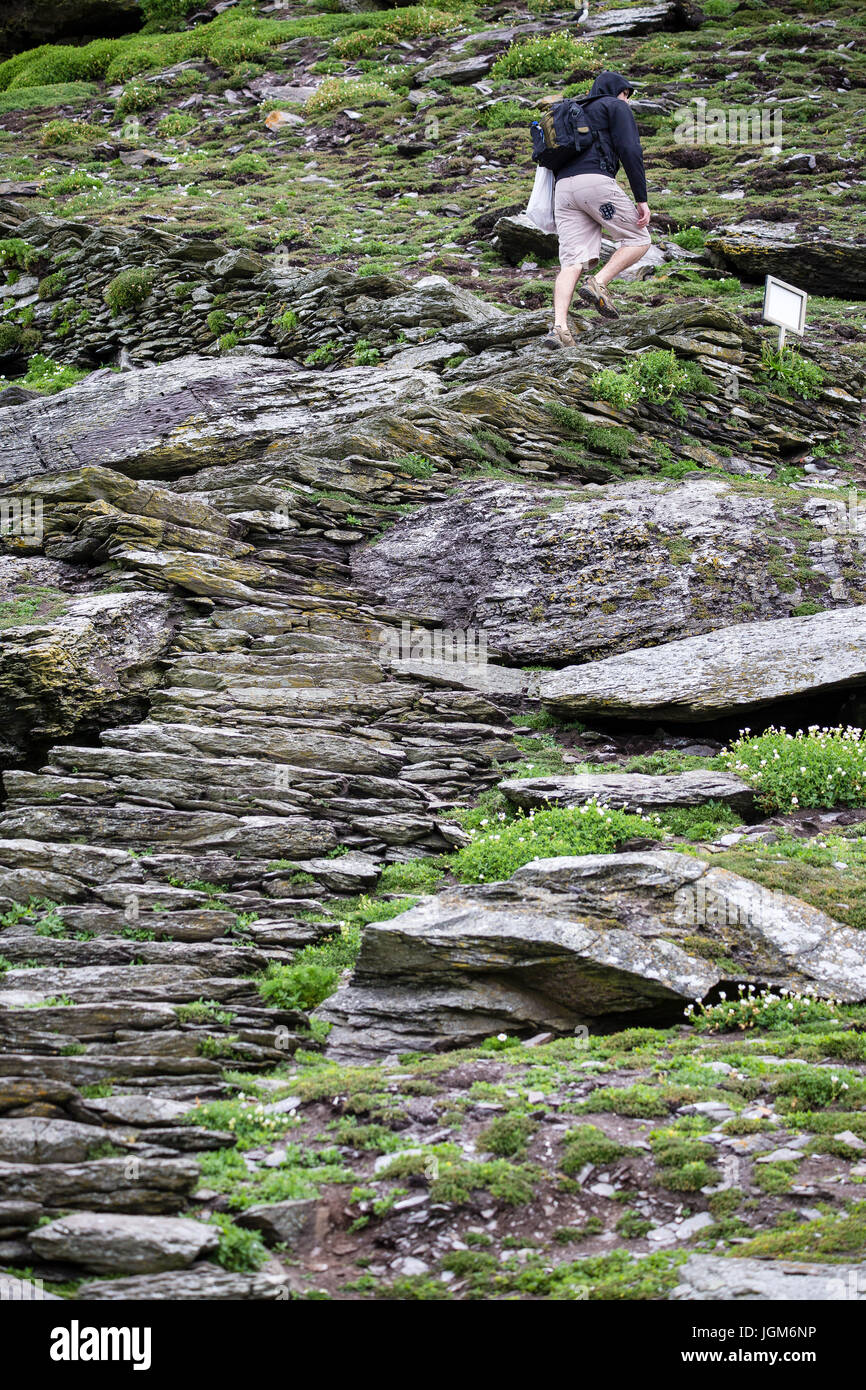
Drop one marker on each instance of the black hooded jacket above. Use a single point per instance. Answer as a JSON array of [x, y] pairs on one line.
[[616, 140]]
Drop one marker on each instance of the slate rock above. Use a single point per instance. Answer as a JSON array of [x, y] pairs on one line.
[[710, 1278], [124, 1244], [553, 577], [566, 941], [729, 671], [48, 1141], [818, 264], [204, 1281], [631, 790]]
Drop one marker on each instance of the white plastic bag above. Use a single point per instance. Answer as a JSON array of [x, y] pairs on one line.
[[539, 209]]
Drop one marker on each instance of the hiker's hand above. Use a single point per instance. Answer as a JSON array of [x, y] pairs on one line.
[[643, 214]]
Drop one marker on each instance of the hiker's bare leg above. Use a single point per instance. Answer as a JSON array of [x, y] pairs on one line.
[[622, 258], [563, 293]]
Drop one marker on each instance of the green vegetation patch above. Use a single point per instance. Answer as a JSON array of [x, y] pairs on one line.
[[820, 767], [499, 849]]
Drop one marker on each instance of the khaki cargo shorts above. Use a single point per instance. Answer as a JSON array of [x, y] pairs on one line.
[[587, 206]]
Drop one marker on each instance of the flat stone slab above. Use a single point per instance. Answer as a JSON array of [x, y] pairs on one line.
[[710, 1278], [460, 73], [567, 941], [729, 671], [203, 1281], [27, 1140], [125, 1244], [630, 790], [138, 1110], [104, 1184], [819, 264]]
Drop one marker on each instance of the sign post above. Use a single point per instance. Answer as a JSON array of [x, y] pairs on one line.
[[785, 306]]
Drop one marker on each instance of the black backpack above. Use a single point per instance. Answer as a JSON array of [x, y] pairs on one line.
[[560, 134]]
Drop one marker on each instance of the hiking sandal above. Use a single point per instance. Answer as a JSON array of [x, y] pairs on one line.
[[597, 295], [560, 337]]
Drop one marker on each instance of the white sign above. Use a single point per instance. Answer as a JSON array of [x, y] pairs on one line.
[[785, 306]]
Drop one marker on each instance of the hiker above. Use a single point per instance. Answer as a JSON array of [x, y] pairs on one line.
[[589, 201]]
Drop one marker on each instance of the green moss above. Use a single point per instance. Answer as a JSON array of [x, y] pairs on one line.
[[507, 1135], [129, 289], [588, 1144]]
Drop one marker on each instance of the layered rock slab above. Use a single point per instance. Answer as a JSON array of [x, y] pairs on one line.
[[129, 1244], [713, 1278], [195, 412], [729, 671], [571, 941], [815, 263], [632, 790]]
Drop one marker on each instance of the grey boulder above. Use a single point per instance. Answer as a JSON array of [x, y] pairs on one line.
[[729, 671], [203, 1281], [569, 941], [124, 1244], [631, 790], [713, 1278], [284, 1223]]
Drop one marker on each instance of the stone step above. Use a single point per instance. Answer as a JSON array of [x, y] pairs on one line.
[[81, 1022], [54, 952], [171, 983], [323, 750], [185, 927], [58, 1074], [276, 836], [160, 1185], [221, 670], [201, 1281], [341, 699]]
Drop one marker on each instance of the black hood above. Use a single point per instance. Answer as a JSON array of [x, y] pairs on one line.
[[610, 84]]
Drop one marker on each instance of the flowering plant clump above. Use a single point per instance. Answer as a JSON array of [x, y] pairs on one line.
[[550, 53], [655, 376], [821, 767], [499, 846], [246, 1117], [785, 1009], [335, 92]]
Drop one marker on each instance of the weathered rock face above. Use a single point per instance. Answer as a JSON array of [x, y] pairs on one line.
[[556, 576], [712, 1278], [567, 941], [150, 877], [630, 789], [729, 671], [85, 663], [192, 413], [816, 264]]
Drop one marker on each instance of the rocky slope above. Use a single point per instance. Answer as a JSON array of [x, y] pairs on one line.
[[261, 1033]]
